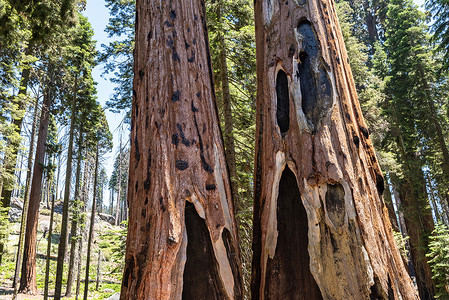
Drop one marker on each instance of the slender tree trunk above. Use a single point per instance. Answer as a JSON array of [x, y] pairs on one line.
[[417, 215], [91, 229], [57, 176], [50, 233], [434, 206], [229, 124], [78, 276], [111, 205], [418, 220], [182, 235], [437, 126], [446, 209], [80, 244], [65, 210], [25, 200], [371, 22], [119, 183], [97, 284], [390, 206], [321, 228], [19, 175], [74, 226], [28, 277]]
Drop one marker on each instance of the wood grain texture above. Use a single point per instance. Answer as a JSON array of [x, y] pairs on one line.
[[177, 157], [350, 243]]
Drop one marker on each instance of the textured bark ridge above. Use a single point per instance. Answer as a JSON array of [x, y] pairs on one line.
[[321, 229], [182, 238]]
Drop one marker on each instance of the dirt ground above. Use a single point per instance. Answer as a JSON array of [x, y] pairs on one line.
[[6, 294]]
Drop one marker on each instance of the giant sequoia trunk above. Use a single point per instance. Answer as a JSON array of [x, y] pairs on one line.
[[28, 278], [26, 198], [321, 228], [182, 238]]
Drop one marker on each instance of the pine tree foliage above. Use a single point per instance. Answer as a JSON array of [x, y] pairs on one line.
[[439, 259], [440, 13], [118, 55], [231, 24], [236, 24]]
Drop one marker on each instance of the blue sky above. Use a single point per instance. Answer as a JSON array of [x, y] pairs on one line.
[[98, 15]]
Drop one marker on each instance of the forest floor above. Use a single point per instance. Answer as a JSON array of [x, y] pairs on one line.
[[108, 243]]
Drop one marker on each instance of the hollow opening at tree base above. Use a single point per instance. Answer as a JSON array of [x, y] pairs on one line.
[[201, 279], [288, 274]]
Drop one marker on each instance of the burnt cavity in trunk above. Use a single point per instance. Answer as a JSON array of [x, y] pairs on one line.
[[201, 279], [283, 102], [335, 204], [316, 87], [288, 274]]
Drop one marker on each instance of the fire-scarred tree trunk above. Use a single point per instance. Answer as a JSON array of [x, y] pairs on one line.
[[318, 185], [182, 238]]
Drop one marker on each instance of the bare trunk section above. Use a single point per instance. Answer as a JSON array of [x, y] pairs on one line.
[[321, 228], [418, 220], [50, 233], [80, 244], [74, 225], [28, 277], [78, 272], [26, 197], [65, 208], [371, 22], [433, 201], [119, 188], [182, 237], [417, 215], [91, 227], [388, 197], [111, 198], [229, 124], [97, 281]]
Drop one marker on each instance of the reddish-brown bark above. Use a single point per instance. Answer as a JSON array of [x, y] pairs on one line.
[[321, 228], [28, 277], [182, 238]]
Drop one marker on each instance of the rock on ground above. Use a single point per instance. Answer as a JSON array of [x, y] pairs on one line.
[[116, 296]]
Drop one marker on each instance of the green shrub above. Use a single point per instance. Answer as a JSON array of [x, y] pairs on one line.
[[4, 226]]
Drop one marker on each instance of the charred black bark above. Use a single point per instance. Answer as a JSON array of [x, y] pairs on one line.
[[288, 273], [316, 87], [283, 102], [201, 274]]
